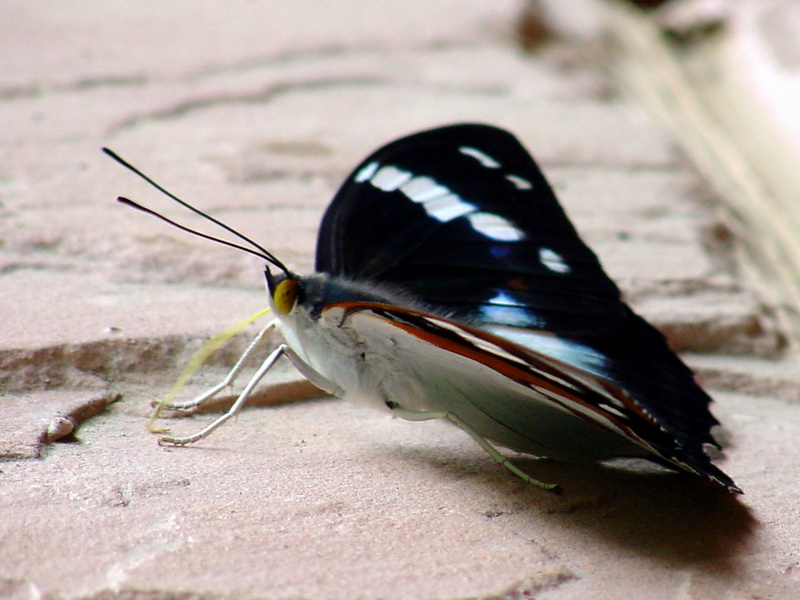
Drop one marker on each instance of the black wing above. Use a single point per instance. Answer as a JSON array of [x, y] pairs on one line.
[[462, 217]]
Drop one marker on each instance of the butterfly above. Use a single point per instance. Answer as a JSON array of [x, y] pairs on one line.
[[450, 284]]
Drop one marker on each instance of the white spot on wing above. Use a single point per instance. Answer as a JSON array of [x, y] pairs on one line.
[[437, 200], [483, 158], [389, 178], [496, 227], [422, 189], [553, 261], [447, 208], [366, 172], [520, 182]]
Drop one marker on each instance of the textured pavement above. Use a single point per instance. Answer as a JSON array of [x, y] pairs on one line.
[[255, 111]]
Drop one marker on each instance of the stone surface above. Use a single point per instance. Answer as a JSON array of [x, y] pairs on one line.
[[255, 111]]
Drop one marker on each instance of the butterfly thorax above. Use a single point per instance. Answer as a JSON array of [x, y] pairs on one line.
[[316, 329]]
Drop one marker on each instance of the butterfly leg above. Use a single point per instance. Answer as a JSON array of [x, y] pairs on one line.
[[306, 370], [229, 378], [314, 376], [235, 408], [425, 415]]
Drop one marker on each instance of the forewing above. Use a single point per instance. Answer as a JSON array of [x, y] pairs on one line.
[[463, 218]]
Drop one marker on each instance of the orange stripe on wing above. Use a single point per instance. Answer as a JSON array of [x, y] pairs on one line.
[[555, 379]]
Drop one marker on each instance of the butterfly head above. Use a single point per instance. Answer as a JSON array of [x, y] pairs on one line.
[[285, 290], [293, 297]]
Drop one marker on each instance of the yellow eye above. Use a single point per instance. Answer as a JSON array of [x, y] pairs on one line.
[[285, 295]]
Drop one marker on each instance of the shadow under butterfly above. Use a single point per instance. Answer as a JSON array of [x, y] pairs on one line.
[[451, 284]]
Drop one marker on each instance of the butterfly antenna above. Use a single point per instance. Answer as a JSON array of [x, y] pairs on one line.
[[259, 251]]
